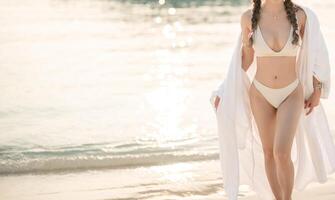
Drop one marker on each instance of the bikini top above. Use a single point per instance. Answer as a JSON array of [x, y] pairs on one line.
[[261, 48]]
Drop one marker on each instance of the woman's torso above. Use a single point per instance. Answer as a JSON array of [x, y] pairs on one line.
[[275, 54]]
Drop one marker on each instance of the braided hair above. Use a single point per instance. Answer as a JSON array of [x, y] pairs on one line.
[[290, 9]]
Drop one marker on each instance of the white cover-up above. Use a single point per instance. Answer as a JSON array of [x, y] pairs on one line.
[[241, 154]]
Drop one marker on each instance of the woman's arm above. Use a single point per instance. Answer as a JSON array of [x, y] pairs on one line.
[[321, 66], [314, 99], [247, 49], [301, 16]]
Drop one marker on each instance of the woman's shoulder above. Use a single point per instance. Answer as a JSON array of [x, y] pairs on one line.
[[301, 16], [301, 12], [307, 13], [246, 17], [306, 10], [246, 14]]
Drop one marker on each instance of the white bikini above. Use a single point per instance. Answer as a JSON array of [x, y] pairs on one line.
[[275, 96]]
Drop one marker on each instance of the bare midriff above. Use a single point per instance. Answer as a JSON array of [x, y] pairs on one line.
[[276, 71]]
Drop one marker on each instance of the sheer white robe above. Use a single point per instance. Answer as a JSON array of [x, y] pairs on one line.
[[241, 154]]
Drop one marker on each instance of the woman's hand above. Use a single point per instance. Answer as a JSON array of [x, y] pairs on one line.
[[216, 102], [313, 100]]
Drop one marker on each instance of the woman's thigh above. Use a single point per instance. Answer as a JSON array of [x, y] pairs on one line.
[[288, 115], [265, 118]]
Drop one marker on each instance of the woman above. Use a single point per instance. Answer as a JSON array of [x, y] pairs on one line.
[[292, 74]]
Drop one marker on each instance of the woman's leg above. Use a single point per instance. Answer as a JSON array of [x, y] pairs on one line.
[[288, 115], [265, 118]]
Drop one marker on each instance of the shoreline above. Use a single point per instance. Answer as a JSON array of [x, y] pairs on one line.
[[180, 181]]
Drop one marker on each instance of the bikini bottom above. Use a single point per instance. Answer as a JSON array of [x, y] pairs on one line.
[[275, 96]]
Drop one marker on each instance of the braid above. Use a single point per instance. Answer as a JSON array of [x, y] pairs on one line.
[[255, 16], [291, 10]]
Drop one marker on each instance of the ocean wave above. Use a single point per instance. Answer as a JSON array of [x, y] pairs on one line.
[[97, 162], [104, 155]]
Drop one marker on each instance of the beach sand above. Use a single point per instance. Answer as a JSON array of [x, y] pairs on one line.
[[186, 181], [314, 191]]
